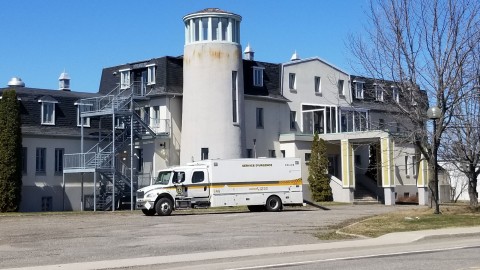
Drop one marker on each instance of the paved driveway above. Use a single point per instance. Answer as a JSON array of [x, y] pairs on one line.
[[29, 240]]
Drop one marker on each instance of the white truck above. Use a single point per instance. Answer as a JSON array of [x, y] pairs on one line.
[[260, 184]]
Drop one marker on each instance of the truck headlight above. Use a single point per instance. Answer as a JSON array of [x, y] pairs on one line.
[[151, 195]]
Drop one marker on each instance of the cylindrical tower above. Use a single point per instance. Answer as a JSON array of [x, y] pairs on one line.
[[213, 116]]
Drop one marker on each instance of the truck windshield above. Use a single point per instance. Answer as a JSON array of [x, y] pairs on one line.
[[163, 178]]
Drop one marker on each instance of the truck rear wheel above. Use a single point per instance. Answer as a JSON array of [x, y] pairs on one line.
[[274, 204], [164, 207], [148, 212]]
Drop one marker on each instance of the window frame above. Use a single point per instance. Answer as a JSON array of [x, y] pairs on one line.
[[293, 120], [259, 118], [379, 95], [292, 81], [341, 87], [86, 120], [125, 78], [395, 94], [59, 153], [258, 76], [235, 98], [317, 85], [40, 160], [43, 111], [151, 74], [359, 89]]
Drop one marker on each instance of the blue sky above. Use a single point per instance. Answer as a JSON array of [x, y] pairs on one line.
[[42, 38]]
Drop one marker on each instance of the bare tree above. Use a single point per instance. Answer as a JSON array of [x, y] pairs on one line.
[[463, 140], [421, 44]]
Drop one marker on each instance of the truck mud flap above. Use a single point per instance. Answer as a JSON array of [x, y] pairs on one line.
[[316, 205]]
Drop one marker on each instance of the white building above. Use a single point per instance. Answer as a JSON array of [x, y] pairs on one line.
[[210, 103]]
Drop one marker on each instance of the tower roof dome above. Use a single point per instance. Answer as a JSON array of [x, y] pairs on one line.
[[16, 81]]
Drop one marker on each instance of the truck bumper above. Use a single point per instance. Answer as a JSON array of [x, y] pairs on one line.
[[145, 204]]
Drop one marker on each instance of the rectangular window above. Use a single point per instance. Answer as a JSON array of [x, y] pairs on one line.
[[224, 23], [47, 203], [140, 160], [151, 73], [196, 29], [48, 113], [340, 84], [381, 124], [293, 118], [119, 123], [307, 157], [292, 84], [235, 97], [124, 78], [259, 117], [215, 29], [155, 120], [146, 115], [359, 89], [407, 171], [204, 153], [204, 28], [318, 89], [271, 154], [395, 94], [59, 159], [198, 177], [258, 77], [24, 160], [414, 165], [249, 153], [398, 127], [378, 92], [86, 120], [40, 160], [283, 153]]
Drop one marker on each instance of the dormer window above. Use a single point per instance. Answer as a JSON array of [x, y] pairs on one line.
[[378, 92], [395, 94], [47, 110], [124, 78], [151, 73], [318, 85], [359, 89], [80, 109], [258, 76]]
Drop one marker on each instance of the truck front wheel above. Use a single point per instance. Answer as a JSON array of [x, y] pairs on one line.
[[148, 212], [164, 207], [274, 204]]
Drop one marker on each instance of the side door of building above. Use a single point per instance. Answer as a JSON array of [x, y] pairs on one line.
[[199, 187]]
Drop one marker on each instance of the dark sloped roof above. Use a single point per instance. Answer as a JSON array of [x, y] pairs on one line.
[[369, 99], [168, 79], [65, 111]]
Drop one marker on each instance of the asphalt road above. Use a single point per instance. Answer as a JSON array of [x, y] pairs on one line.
[[34, 240]]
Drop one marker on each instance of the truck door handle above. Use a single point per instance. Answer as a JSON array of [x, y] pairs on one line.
[[205, 188]]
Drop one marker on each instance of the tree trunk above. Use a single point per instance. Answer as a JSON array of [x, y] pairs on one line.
[[472, 191]]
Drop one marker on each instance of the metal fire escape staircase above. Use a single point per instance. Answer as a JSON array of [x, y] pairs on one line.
[[108, 157]]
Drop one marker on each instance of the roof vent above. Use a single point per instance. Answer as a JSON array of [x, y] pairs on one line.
[[295, 56], [16, 82], [249, 53], [64, 82]]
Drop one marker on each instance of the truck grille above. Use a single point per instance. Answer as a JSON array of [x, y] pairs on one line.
[[140, 194]]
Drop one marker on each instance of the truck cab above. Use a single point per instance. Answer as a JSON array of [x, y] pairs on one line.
[[176, 188]]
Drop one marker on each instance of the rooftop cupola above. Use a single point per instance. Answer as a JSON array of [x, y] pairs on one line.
[[16, 82], [64, 82], [295, 56], [249, 53], [212, 25]]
